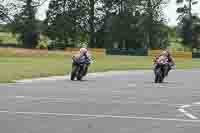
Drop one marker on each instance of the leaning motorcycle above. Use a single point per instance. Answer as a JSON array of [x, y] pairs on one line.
[[161, 69], [79, 69]]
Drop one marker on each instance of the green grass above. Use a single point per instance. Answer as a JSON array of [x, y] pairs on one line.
[[15, 66]]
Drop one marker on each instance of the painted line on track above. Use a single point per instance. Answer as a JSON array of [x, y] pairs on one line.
[[97, 116], [97, 74], [196, 103], [131, 85], [188, 114], [183, 108], [62, 100]]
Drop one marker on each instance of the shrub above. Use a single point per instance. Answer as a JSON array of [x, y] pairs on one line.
[[43, 43]]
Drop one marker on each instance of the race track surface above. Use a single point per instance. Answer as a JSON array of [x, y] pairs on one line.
[[113, 102]]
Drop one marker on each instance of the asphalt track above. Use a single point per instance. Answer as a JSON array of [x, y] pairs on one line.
[[113, 102]]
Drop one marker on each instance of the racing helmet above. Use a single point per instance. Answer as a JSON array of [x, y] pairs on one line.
[[83, 50]]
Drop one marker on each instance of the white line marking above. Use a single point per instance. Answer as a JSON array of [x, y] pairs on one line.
[[197, 103], [182, 110], [132, 85], [20, 97], [186, 106], [132, 98], [188, 114], [89, 118], [54, 78], [116, 91], [98, 116], [91, 100]]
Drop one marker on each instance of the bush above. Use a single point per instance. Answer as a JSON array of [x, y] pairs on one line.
[[43, 43], [54, 45]]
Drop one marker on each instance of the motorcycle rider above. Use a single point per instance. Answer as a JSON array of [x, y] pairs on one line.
[[83, 57], [171, 62]]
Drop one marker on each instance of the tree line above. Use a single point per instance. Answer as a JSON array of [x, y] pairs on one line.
[[94, 23], [189, 23]]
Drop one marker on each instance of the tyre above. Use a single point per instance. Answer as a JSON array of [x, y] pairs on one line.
[[80, 73], [158, 76], [79, 77], [74, 72], [73, 76], [85, 70], [162, 76], [161, 79], [156, 79]]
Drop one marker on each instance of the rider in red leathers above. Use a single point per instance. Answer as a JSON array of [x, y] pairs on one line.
[[169, 58]]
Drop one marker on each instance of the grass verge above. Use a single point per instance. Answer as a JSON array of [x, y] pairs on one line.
[[22, 64]]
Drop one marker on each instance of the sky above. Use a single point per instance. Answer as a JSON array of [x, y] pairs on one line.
[[169, 10]]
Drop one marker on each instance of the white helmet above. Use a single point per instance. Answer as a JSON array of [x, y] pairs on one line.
[[83, 50], [165, 53]]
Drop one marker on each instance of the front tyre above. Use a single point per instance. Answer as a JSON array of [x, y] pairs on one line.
[[80, 73], [161, 79], [158, 76], [156, 79], [79, 77], [74, 72], [85, 70]]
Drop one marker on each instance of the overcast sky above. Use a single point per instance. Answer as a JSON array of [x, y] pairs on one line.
[[170, 12]]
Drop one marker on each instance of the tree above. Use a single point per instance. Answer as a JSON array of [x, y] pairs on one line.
[[5, 9], [186, 9], [69, 18], [139, 23], [26, 25], [3, 13], [154, 18], [20, 15], [186, 21], [104, 21], [65, 21], [196, 32]]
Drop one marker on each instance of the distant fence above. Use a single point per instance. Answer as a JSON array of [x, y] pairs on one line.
[[8, 45], [98, 50], [175, 54], [145, 52], [22, 52], [195, 55], [132, 52]]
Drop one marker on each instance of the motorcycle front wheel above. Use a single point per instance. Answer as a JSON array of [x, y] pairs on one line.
[[80, 72], [74, 72], [158, 76]]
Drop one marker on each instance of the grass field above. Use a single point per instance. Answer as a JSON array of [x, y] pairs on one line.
[[20, 64]]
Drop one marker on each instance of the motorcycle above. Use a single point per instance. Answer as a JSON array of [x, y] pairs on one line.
[[161, 69], [79, 68]]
